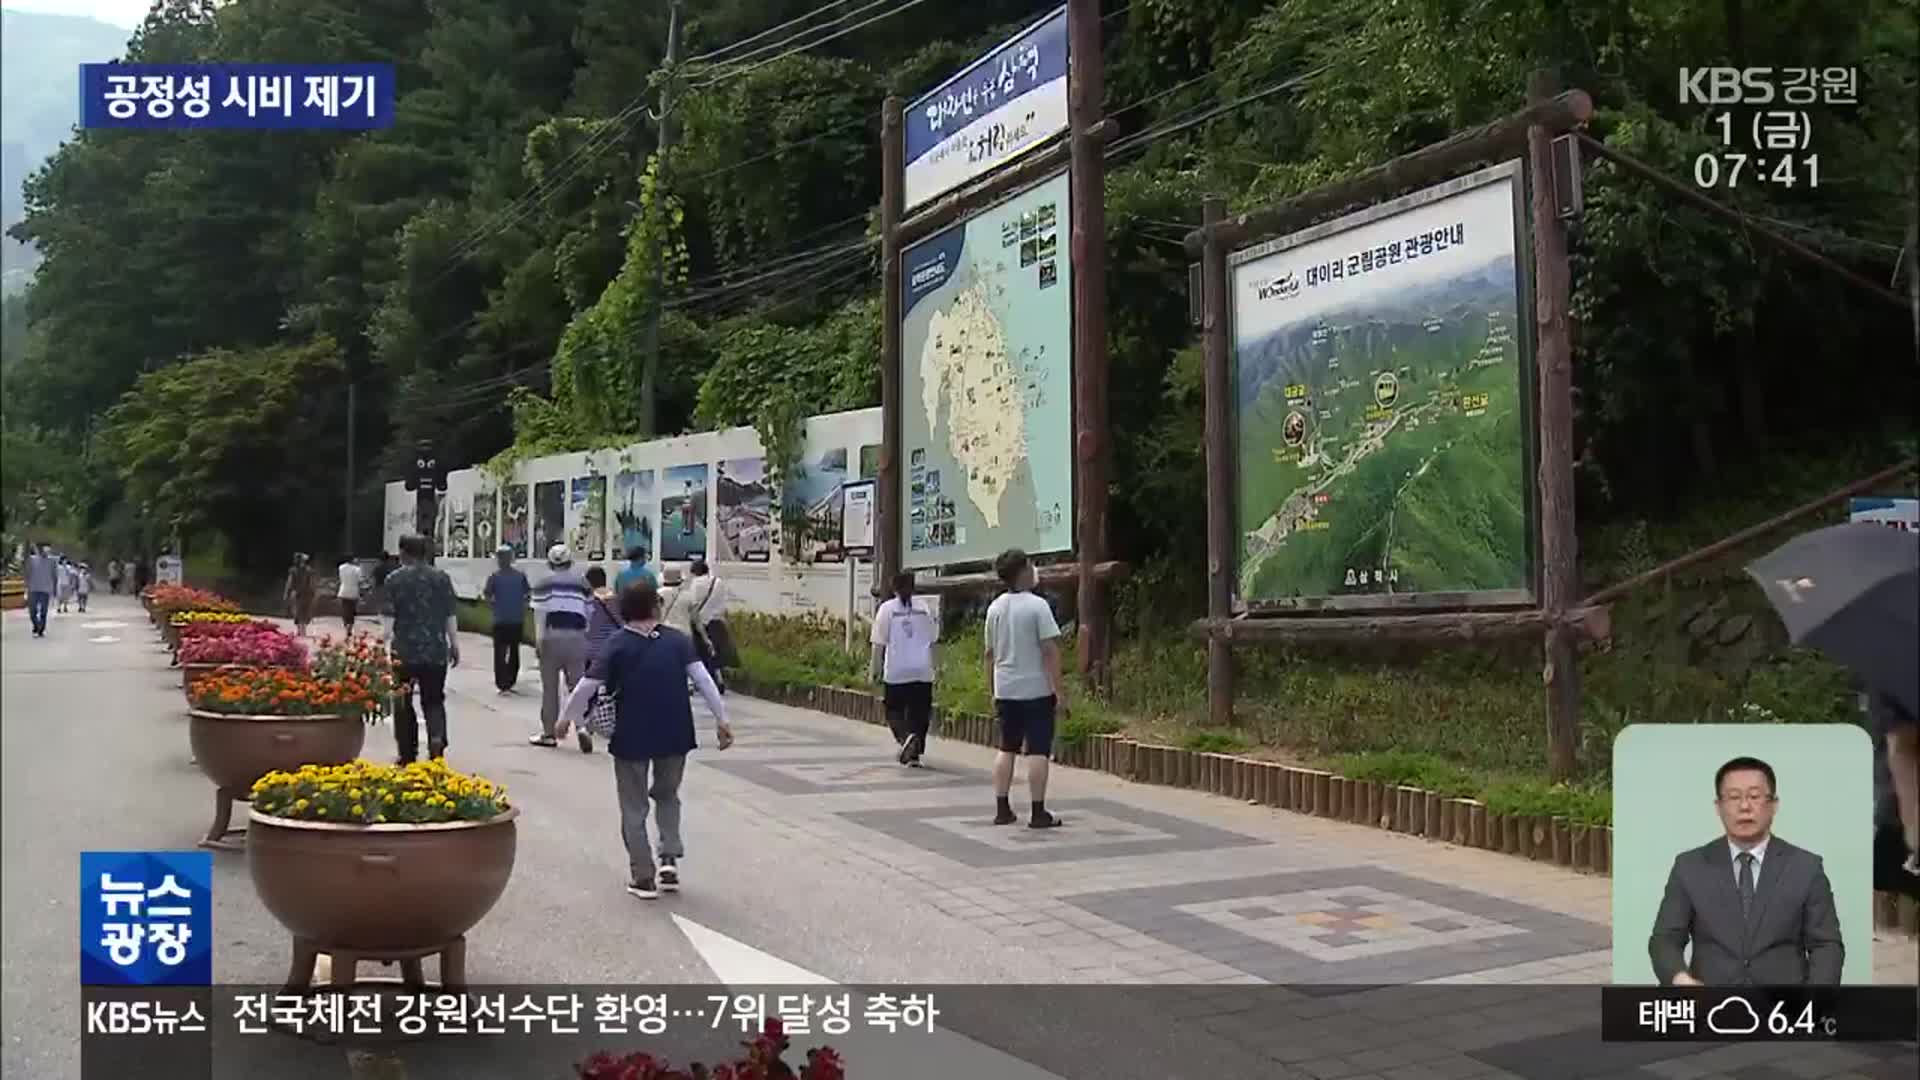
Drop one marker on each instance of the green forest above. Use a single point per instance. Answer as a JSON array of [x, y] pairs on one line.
[[485, 273]]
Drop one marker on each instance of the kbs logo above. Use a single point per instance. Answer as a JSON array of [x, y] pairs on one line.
[[1284, 287], [1726, 86], [123, 1017]]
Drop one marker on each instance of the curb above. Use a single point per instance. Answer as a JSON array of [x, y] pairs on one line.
[[1412, 811]]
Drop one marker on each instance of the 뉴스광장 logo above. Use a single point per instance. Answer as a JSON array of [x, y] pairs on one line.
[[146, 918]]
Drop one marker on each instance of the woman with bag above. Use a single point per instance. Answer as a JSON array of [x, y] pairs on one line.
[[644, 667], [707, 613]]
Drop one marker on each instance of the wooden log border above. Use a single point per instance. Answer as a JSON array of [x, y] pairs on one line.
[[1461, 822]]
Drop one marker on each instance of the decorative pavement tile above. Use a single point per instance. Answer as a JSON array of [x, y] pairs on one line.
[[1094, 829], [820, 776], [1326, 931], [774, 736]]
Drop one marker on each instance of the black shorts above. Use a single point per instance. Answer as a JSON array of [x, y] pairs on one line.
[[1026, 727], [349, 608]]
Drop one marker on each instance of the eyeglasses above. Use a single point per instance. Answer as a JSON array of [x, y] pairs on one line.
[[1739, 798]]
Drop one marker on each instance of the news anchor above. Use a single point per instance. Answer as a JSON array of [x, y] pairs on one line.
[[1757, 910]]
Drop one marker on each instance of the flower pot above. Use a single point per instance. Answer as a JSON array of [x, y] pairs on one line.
[[380, 888], [234, 751]]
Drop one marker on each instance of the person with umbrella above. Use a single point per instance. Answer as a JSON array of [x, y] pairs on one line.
[[1853, 592]]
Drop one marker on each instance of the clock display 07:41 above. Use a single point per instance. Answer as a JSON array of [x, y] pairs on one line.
[[1712, 170]]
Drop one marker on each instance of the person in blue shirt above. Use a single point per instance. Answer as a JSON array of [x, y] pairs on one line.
[[645, 667], [635, 573], [507, 590]]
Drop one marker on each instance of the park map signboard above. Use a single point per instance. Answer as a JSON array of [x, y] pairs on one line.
[[986, 357], [1382, 406]]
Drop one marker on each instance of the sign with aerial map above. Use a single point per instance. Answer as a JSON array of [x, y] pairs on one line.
[[1384, 426], [986, 358]]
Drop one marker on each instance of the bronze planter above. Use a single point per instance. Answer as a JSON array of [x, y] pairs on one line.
[[234, 751], [380, 888]]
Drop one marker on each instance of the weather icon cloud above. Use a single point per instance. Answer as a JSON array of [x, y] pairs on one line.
[[1733, 1017]]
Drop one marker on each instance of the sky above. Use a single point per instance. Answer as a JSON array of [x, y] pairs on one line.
[[122, 13]]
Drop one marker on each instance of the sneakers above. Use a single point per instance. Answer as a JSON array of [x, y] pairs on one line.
[[586, 743], [669, 875], [906, 751], [916, 745], [542, 740], [643, 888]]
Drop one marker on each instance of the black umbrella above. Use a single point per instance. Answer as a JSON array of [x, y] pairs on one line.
[[1850, 591]]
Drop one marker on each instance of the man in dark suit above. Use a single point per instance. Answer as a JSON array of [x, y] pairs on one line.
[[1757, 910]]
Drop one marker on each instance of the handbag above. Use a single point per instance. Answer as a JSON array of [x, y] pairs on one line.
[[602, 714]]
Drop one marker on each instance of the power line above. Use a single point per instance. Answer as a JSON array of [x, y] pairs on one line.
[[710, 53], [736, 61], [735, 72]]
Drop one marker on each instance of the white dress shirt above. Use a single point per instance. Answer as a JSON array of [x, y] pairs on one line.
[[1759, 853]]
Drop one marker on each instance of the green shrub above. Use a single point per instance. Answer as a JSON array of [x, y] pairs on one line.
[[1078, 728], [1408, 768], [1215, 742], [1534, 798]]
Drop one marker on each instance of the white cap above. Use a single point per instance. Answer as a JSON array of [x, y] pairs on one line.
[[559, 555]]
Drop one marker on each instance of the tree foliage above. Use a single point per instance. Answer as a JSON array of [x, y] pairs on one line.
[[485, 268]]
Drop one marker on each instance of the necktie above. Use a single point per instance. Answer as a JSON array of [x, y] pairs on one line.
[[1746, 882]]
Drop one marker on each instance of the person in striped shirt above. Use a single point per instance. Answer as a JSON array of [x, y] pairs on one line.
[[561, 602]]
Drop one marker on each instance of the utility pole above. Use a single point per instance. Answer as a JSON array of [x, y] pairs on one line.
[[650, 361]]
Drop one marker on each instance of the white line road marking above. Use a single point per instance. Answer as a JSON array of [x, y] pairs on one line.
[[103, 639], [103, 626], [868, 1051]]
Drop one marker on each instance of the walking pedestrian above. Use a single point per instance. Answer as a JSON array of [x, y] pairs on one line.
[[299, 592], [43, 580], [113, 577], [903, 636], [506, 593], [603, 621], [142, 575], [645, 667], [423, 640], [559, 636], [69, 584], [349, 591], [636, 572], [1023, 667], [706, 613], [82, 584]]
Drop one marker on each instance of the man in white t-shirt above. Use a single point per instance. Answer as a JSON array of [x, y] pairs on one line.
[[349, 593], [903, 637], [1023, 667]]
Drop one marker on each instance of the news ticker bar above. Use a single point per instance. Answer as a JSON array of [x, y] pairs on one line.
[[1759, 1014]]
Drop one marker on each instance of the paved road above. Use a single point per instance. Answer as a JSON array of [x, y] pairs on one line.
[[813, 858]]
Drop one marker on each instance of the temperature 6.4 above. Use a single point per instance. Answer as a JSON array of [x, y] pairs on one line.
[[1712, 170], [1783, 1022]]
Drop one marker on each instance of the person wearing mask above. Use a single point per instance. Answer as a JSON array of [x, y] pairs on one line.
[[903, 636], [506, 593], [300, 591], [1023, 667], [706, 614], [42, 580], [82, 584], [603, 621], [646, 666], [635, 572], [560, 605], [423, 638], [349, 592]]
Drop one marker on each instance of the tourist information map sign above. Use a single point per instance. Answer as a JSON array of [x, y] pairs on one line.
[[986, 358], [1382, 402], [999, 107]]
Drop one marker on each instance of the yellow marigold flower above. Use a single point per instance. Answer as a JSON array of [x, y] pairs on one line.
[[358, 809]]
